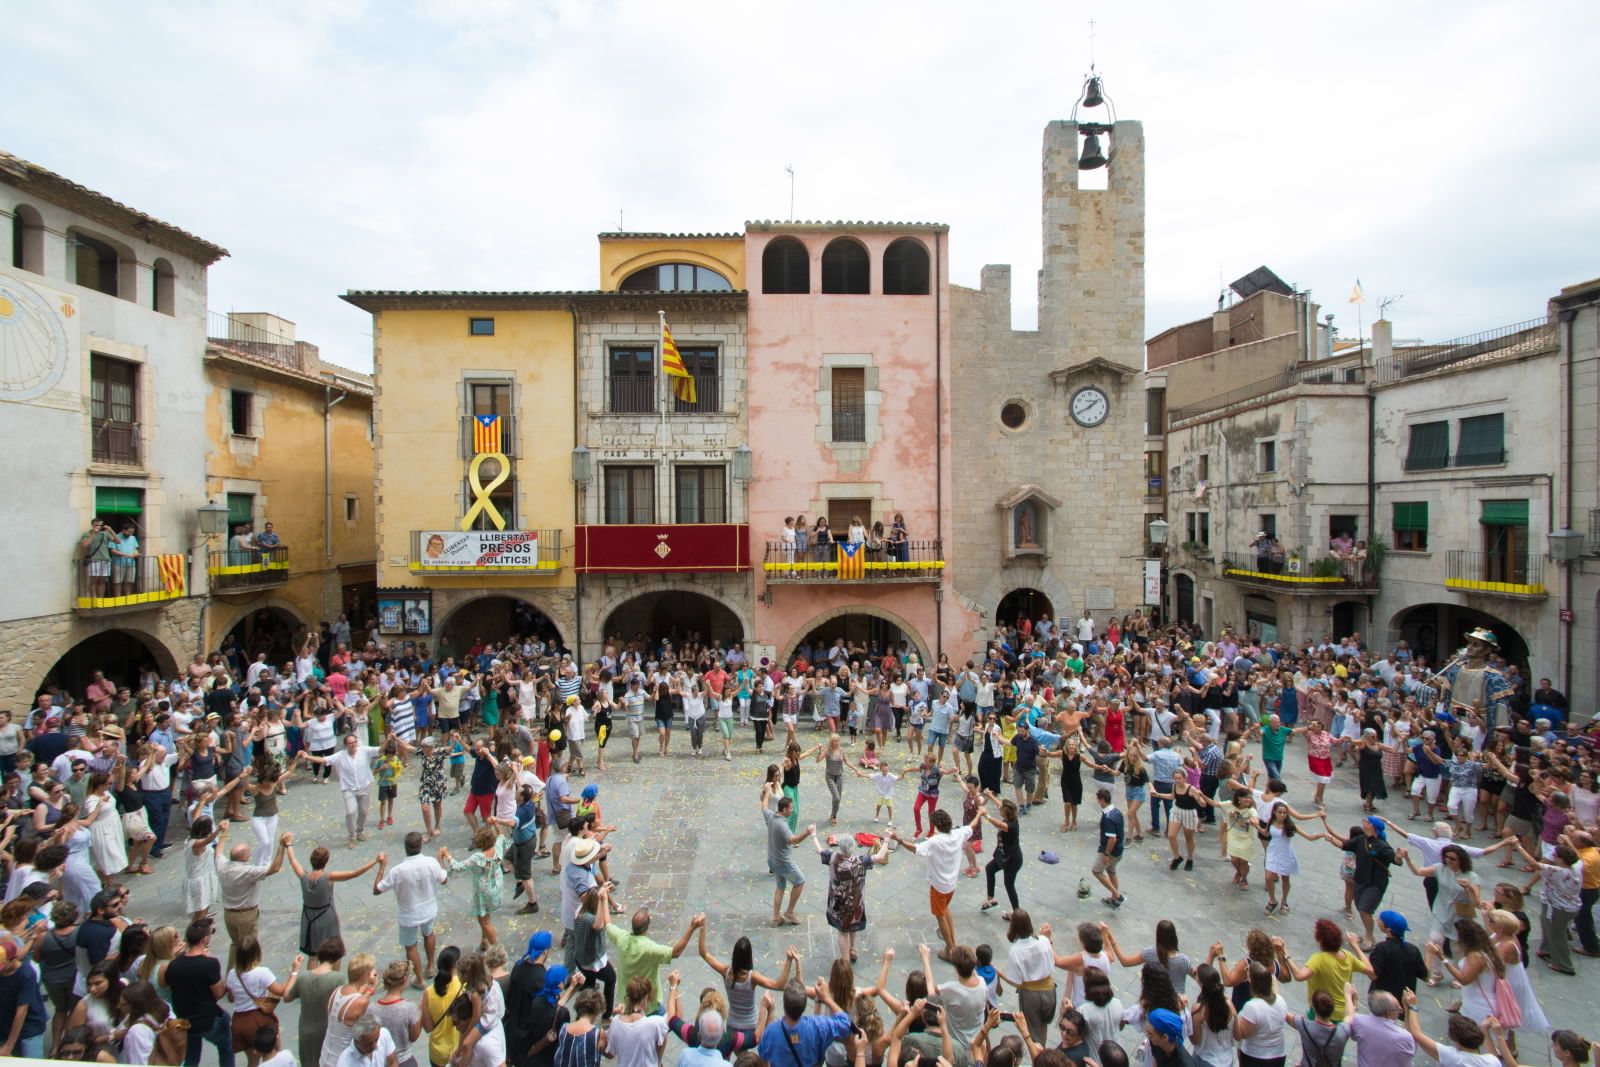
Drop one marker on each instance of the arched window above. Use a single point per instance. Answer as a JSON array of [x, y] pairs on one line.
[[676, 278], [164, 293], [27, 239], [785, 267], [905, 268], [95, 264], [845, 266]]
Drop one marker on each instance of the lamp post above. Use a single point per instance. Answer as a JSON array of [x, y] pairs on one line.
[[1566, 547], [1157, 531], [213, 523]]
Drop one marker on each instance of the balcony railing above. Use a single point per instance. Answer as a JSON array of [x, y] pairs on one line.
[[247, 568], [469, 552], [1343, 371], [631, 395], [1328, 573], [1519, 337], [508, 436], [129, 582], [1497, 573], [912, 561], [707, 397], [116, 442], [849, 426]]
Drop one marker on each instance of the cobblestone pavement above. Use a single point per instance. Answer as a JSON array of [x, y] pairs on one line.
[[690, 839]]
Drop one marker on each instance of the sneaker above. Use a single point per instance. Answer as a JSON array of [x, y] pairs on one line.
[[1176, 860], [1188, 865], [874, 816], [1117, 903]]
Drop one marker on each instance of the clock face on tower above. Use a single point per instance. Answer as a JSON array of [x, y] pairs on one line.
[[1090, 406], [33, 346]]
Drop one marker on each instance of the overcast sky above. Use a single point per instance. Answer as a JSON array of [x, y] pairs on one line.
[[1446, 152]]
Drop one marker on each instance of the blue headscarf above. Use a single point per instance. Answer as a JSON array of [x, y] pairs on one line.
[[1377, 824], [538, 944], [555, 977]]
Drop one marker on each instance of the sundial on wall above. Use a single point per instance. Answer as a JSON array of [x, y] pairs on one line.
[[33, 345]]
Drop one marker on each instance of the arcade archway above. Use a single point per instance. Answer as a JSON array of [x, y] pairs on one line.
[[870, 629], [122, 655], [1437, 631], [1022, 604], [675, 614], [493, 619], [272, 630], [1183, 593]]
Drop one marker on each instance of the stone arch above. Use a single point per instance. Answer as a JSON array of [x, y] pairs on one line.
[[448, 604], [1437, 629], [657, 256], [101, 649], [909, 631], [241, 615], [671, 584]]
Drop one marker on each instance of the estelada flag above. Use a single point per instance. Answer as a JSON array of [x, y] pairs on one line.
[[485, 434], [672, 365], [852, 559]]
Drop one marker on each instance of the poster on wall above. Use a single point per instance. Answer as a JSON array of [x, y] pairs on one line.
[[1152, 581], [391, 615], [479, 548], [418, 615]]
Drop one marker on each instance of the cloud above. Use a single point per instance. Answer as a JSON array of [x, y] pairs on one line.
[[444, 144]]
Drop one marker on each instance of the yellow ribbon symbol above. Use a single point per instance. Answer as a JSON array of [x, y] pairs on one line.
[[481, 504]]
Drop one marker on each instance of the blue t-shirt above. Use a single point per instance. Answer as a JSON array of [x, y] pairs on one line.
[[1113, 828], [19, 989], [527, 823], [554, 790], [802, 1044]]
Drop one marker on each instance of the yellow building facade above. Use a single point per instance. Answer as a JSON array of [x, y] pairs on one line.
[[290, 444], [627, 258], [473, 429]]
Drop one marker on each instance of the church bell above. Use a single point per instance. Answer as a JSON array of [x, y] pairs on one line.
[[1092, 158]]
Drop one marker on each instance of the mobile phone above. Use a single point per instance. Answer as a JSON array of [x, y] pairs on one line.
[[1008, 1016]]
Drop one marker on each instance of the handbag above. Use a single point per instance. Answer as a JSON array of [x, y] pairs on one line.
[[172, 1041], [265, 1004], [1506, 1009]]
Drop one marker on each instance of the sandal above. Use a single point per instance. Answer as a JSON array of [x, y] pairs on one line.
[[1435, 980], [986, 905]]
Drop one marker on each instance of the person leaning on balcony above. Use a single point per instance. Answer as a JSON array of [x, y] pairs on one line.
[[96, 547], [125, 561], [899, 539], [268, 539], [241, 546]]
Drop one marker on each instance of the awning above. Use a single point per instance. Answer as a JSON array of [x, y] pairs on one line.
[[1504, 513], [118, 500]]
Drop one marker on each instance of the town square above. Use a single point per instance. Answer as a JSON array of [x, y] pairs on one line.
[[858, 568]]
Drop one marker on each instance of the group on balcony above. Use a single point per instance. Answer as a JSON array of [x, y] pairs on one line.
[[110, 558], [1269, 553], [817, 542], [247, 547]]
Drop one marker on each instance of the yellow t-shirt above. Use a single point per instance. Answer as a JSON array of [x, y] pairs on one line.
[[1329, 973], [442, 1039]]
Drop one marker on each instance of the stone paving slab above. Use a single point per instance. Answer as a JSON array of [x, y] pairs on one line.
[[690, 839]]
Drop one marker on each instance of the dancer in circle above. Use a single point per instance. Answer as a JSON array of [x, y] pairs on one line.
[[1281, 863]]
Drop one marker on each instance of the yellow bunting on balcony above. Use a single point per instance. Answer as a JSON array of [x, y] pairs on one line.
[[482, 503]]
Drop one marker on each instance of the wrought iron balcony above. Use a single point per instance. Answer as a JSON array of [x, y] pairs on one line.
[[1328, 574], [129, 582], [234, 569], [911, 561], [1495, 573]]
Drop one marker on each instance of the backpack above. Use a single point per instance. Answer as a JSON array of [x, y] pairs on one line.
[[172, 1041]]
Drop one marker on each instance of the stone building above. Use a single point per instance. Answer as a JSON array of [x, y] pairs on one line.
[[1047, 426], [290, 444], [662, 542], [1576, 311], [102, 330]]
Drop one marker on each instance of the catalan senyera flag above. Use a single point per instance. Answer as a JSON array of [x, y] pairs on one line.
[[852, 560], [172, 573], [486, 434], [672, 365], [1356, 295]]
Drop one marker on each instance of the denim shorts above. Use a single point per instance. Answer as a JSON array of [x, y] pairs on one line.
[[1137, 792]]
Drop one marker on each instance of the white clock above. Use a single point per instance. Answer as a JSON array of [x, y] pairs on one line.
[[1090, 406]]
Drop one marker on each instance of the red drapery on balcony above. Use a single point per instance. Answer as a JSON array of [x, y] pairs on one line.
[[664, 547]]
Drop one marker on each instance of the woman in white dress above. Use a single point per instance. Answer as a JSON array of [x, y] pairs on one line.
[[1504, 927], [1475, 971], [200, 886], [79, 882], [1281, 863], [107, 845]]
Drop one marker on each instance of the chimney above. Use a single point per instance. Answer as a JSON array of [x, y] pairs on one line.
[[1383, 350]]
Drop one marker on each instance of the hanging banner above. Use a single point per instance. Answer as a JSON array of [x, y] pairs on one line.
[[1152, 581], [478, 548]]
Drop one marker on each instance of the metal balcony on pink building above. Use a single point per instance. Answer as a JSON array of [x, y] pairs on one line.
[[827, 564]]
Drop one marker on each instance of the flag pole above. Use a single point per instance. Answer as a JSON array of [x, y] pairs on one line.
[[661, 373]]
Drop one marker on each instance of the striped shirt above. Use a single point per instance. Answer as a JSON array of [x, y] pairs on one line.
[[403, 720], [568, 687]]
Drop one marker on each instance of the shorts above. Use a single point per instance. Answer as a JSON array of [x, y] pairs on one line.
[[964, 743], [788, 875], [635, 728], [1136, 793], [1104, 864], [388, 792], [1520, 827], [1368, 897], [790, 720], [938, 738], [663, 721], [1426, 787], [1188, 818], [1026, 780], [522, 860], [479, 804], [99, 568], [410, 935], [939, 903]]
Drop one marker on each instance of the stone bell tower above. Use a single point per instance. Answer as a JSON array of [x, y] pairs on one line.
[[1049, 423]]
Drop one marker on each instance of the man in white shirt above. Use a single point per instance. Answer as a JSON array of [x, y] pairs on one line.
[[370, 1045], [155, 787], [415, 881], [354, 768], [1086, 626], [943, 851]]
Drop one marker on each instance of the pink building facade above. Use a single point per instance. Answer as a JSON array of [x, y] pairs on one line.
[[849, 418]]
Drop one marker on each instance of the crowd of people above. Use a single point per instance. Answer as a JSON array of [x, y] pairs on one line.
[[1169, 735]]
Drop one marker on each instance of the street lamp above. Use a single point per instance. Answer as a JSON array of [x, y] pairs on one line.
[[213, 518], [1158, 531], [743, 464], [582, 464], [1565, 545]]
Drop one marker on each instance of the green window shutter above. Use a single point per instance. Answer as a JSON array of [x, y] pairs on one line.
[[241, 508], [1504, 513], [1429, 447], [117, 500], [1411, 516], [1482, 440]]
